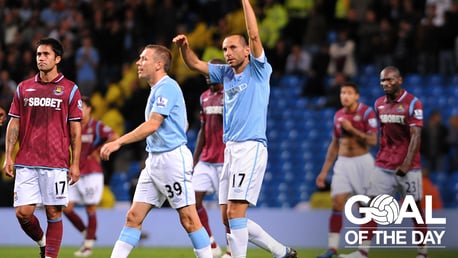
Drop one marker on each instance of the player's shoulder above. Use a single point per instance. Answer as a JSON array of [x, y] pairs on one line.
[[340, 112], [66, 82], [366, 108], [411, 97], [205, 93], [28, 82]]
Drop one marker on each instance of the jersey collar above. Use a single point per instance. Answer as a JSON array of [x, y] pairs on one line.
[[56, 80], [399, 98]]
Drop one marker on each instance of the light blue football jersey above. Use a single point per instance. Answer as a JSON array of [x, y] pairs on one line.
[[166, 98], [246, 98]]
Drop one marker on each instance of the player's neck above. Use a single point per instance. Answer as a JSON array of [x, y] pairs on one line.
[[240, 68], [352, 108], [48, 76], [156, 78]]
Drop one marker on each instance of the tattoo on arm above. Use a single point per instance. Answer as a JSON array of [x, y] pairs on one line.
[[13, 136]]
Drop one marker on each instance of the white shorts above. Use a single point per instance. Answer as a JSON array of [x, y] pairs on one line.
[[40, 186], [168, 176], [206, 177], [351, 174], [243, 171], [382, 182], [88, 190]]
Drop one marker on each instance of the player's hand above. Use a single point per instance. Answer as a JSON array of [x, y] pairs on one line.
[[400, 172], [73, 174], [181, 40], [346, 125], [8, 167], [109, 148], [321, 180], [2, 116]]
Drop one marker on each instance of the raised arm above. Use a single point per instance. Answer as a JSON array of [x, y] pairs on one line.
[[190, 58], [252, 29]]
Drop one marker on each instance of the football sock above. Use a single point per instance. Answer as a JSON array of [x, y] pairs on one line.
[[335, 222], [89, 243], [335, 226], [238, 238], [365, 246], [369, 227], [258, 236], [91, 225], [422, 249], [201, 243], [54, 237], [423, 229], [202, 212], [32, 228], [333, 241], [228, 247], [128, 239], [75, 220]]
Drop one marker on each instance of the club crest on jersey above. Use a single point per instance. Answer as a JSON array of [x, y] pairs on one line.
[[400, 109], [59, 90], [357, 118]]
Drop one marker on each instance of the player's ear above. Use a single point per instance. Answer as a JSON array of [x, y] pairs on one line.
[[58, 59]]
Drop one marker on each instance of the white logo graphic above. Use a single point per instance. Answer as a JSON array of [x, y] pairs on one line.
[[386, 211]]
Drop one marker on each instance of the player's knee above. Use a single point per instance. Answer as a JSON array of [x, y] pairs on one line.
[[23, 215], [133, 219], [190, 224]]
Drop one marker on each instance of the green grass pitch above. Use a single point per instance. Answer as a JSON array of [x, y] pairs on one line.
[[146, 252]]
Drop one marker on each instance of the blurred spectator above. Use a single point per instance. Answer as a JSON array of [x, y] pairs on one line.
[[165, 21], [298, 61], [63, 30], [429, 188], [332, 97], [453, 141], [404, 54], [315, 31], [426, 47], [434, 148], [67, 66], [25, 11], [277, 58], [298, 11], [7, 89], [111, 45], [235, 19], [361, 7], [87, 62], [275, 19], [342, 54], [133, 111], [52, 15], [448, 34], [368, 30], [30, 30], [383, 44], [440, 7], [315, 85], [9, 28], [213, 50]]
